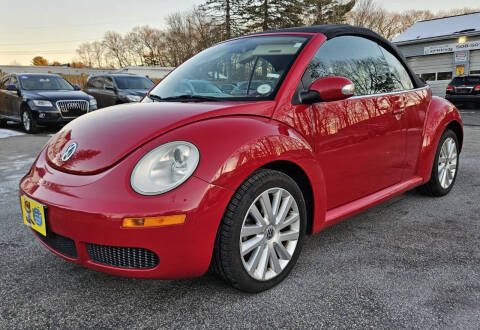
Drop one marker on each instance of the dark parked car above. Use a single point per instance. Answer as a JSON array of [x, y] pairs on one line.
[[111, 89], [464, 90], [41, 99]]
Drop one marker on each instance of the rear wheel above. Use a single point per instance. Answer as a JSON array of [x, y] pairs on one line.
[[445, 166], [28, 122], [3, 122], [262, 231]]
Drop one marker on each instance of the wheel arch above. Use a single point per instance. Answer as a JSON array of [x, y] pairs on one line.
[[441, 115], [458, 130], [300, 177]]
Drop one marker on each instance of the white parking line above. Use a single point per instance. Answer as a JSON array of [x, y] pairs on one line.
[[6, 133]]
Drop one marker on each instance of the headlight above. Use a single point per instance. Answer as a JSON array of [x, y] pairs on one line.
[[93, 103], [42, 103], [164, 168], [134, 98]]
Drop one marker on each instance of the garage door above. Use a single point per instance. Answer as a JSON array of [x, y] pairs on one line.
[[475, 62], [435, 69]]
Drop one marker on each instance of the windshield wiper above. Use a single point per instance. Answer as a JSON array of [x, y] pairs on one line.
[[155, 97], [187, 98]]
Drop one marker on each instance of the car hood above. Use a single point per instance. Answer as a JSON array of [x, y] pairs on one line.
[[58, 95], [104, 137]]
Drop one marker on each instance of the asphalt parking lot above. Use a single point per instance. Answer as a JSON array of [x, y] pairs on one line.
[[413, 262]]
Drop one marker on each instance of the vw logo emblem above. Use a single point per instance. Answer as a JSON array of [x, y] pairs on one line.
[[68, 153]]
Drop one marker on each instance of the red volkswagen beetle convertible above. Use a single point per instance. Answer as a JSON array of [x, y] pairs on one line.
[[238, 154]]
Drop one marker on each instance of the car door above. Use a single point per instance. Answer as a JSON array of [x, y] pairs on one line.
[[3, 95], [95, 88], [109, 92], [359, 142], [14, 98], [416, 103]]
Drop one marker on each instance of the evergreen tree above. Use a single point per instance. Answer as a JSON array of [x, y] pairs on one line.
[[327, 11], [262, 15], [225, 14]]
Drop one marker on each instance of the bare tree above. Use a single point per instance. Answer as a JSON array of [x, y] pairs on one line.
[[115, 47]]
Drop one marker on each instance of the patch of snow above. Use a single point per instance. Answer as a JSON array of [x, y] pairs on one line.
[[6, 133]]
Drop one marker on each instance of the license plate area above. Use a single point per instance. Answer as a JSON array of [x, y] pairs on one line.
[[34, 215]]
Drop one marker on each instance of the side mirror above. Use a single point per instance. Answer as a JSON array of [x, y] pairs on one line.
[[12, 88], [77, 88], [328, 89]]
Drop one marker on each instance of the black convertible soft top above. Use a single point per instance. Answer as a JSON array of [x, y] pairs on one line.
[[336, 30]]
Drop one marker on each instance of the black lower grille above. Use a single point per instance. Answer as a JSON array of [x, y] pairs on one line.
[[61, 244], [122, 257]]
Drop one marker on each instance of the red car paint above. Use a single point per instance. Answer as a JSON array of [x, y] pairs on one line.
[[355, 153]]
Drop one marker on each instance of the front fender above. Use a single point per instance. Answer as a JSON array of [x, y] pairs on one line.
[[440, 114], [233, 147]]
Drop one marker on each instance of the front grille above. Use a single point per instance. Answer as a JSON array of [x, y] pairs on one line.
[[463, 90], [61, 244], [72, 108], [122, 257]]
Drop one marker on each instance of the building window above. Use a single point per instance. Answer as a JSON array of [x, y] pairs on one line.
[[475, 72], [428, 76], [444, 75]]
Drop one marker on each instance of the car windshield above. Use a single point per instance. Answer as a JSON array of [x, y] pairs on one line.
[[133, 82], [243, 69], [469, 80], [45, 83]]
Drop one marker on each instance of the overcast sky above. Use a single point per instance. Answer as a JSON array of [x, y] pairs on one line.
[[54, 28]]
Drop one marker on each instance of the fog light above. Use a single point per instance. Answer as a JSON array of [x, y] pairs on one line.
[[154, 221], [42, 115]]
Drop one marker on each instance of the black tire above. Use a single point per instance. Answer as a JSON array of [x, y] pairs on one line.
[[434, 187], [226, 261], [32, 128], [3, 122]]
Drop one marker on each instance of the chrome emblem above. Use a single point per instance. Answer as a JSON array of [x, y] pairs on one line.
[[68, 153]]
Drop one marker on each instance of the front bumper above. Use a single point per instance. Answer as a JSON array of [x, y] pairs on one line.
[[89, 209]]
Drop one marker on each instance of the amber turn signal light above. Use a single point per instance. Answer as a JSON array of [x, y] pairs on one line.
[[154, 221]]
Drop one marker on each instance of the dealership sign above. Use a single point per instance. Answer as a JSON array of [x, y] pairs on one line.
[[450, 48]]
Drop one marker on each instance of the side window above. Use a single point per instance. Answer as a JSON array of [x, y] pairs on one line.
[[355, 58], [13, 81], [398, 73], [90, 83], [108, 82], [97, 83]]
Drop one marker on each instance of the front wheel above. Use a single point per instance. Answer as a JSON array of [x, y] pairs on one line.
[[28, 122], [261, 233], [445, 166]]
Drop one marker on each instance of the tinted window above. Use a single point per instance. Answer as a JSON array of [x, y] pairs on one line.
[[133, 82], [44, 82], [398, 73], [357, 59], [108, 83], [470, 80], [95, 83], [13, 81]]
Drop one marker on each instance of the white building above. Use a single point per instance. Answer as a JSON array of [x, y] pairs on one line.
[[442, 48]]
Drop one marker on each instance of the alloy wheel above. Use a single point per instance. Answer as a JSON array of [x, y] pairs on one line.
[[447, 163], [26, 121], [269, 234]]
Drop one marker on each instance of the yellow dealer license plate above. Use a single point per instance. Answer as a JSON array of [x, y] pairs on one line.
[[34, 215]]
